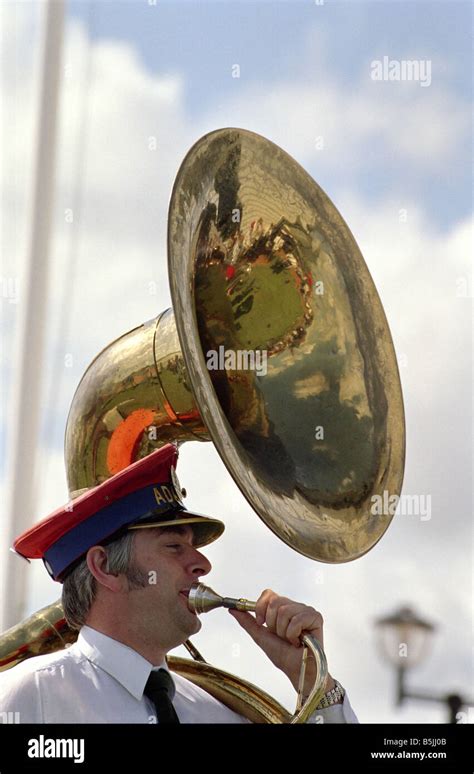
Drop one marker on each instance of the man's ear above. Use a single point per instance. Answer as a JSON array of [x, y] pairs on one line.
[[97, 563]]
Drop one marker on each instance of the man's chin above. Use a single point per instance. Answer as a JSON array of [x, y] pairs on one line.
[[191, 624], [197, 625], [185, 631]]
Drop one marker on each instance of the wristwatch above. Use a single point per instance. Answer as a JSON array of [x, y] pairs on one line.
[[334, 696]]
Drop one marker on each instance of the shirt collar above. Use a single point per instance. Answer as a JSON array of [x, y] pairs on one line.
[[120, 661]]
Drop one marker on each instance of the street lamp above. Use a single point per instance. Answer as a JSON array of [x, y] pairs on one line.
[[404, 640]]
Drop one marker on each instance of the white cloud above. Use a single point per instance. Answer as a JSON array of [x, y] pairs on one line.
[[361, 122]]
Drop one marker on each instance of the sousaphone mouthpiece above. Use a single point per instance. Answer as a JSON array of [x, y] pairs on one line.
[[202, 599]]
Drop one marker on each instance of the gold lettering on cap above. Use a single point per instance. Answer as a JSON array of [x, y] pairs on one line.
[[158, 496], [167, 494], [163, 494]]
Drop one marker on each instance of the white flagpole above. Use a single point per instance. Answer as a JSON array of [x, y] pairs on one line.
[[26, 391]]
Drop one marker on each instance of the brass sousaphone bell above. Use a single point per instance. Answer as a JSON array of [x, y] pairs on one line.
[[278, 350]]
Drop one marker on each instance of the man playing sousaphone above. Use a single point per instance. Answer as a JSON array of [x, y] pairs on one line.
[[127, 556]]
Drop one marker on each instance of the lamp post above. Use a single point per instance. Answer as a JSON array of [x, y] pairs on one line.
[[404, 641]]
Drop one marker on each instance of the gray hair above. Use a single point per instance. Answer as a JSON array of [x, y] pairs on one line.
[[80, 586]]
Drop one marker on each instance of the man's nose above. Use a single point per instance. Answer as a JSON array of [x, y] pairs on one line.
[[200, 565]]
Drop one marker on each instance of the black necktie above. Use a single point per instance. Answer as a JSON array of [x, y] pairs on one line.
[[160, 689]]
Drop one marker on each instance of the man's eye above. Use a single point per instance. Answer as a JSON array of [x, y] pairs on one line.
[[173, 545]]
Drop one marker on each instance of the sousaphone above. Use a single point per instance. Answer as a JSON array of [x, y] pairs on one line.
[[277, 350]]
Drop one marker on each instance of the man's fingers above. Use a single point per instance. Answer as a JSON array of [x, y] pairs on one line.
[[305, 621], [280, 611], [248, 623], [285, 614], [267, 607], [282, 618], [262, 604]]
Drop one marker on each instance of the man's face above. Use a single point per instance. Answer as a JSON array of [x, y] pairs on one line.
[[172, 563]]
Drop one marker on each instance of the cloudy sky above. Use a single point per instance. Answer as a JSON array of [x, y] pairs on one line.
[[394, 156]]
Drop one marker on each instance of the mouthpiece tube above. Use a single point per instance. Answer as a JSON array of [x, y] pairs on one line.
[[239, 604]]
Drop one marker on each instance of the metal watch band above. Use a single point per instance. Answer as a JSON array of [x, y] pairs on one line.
[[333, 696]]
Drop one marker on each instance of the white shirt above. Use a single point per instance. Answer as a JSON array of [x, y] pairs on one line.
[[101, 680]]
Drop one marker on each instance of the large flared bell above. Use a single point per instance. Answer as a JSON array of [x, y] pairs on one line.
[[278, 351]]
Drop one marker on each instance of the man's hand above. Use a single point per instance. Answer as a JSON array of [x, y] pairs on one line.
[[276, 629]]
